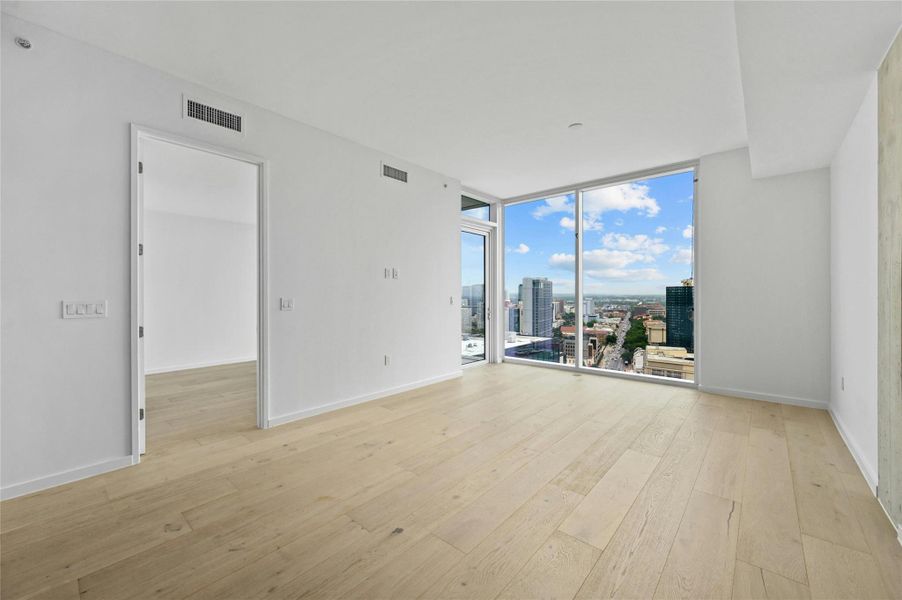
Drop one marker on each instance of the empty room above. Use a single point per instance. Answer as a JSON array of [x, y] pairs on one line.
[[425, 300]]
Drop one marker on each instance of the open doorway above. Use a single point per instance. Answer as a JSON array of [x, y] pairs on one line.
[[197, 356]]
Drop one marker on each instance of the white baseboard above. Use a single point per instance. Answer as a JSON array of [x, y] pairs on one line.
[[198, 365], [42, 483], [323, 408], [791, 400], [867, 470]]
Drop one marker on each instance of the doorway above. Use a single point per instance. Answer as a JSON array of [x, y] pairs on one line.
[[477, 292], [198, 351]]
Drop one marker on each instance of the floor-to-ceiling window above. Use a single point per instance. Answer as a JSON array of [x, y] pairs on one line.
[[637, 279], [633, 308], [539, 281]]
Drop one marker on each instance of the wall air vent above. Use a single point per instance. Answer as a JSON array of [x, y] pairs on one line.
[[209, 114], [394, 173]]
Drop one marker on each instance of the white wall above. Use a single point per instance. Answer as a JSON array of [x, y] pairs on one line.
[[334, 224], [764, 275], [200, 292], [200, 258], [853, 286]]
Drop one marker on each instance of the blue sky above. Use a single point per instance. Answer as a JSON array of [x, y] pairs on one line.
[[472, 258], [637, 238]]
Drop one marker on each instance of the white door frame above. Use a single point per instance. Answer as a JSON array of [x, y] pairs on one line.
[[138, 134], [489, 232]]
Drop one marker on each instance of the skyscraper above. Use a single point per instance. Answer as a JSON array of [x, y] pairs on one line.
[[679, 317], [537, 315], [513, 318]]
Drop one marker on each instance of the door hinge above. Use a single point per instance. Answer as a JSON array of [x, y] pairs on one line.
[[140, 414], [140, 167], [141, 331], [140, 249]]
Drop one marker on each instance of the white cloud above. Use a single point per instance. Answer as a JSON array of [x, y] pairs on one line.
[[660, 229], [688, 232], [634, 243], [562, 260], [682, 256], [521, 249], [623, 198], [626, 274], [607, 264], [601, 258], [553, 205], [619, 222], [570, 223]]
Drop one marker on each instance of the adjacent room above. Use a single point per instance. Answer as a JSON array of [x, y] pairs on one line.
[[427, 300]]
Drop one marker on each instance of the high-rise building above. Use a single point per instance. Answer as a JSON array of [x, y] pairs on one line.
[[513, 318], [679, 317], [537, 316], [466, 319], [472, 295]]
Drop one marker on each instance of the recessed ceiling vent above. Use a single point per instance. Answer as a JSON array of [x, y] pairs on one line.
[[394, 173], [204, 112]]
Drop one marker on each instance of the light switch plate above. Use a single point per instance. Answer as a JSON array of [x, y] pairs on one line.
[[286, 304], [84, 309]]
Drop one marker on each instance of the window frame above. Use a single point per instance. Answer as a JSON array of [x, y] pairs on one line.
[[578, 190]]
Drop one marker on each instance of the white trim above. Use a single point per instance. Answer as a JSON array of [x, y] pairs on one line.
[[324, 408], [139, 132], [791, 400], [898, 527], [49, 481], [466, 221], [607, 181], [641, 377], [489, 234], [476, 194], [199, 365], [474, 364], [869, 472]]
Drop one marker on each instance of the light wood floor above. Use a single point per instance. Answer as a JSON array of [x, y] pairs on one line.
[[512, 482]]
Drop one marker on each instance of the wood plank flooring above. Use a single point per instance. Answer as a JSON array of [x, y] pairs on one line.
[[511, 482]]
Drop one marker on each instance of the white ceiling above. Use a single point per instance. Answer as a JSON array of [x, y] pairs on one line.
[[484, 91], [805, 69], [198, 184]]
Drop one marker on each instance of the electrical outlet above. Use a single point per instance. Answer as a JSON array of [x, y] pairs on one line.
[[394, 273], [387, 360], [842, 383], [387, 273], [286, 303]]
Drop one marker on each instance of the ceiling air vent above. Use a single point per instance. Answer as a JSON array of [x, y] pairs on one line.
[[394, 173], [203, 112]]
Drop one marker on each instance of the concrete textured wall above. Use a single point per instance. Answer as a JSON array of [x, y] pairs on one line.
[[889, 282]]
